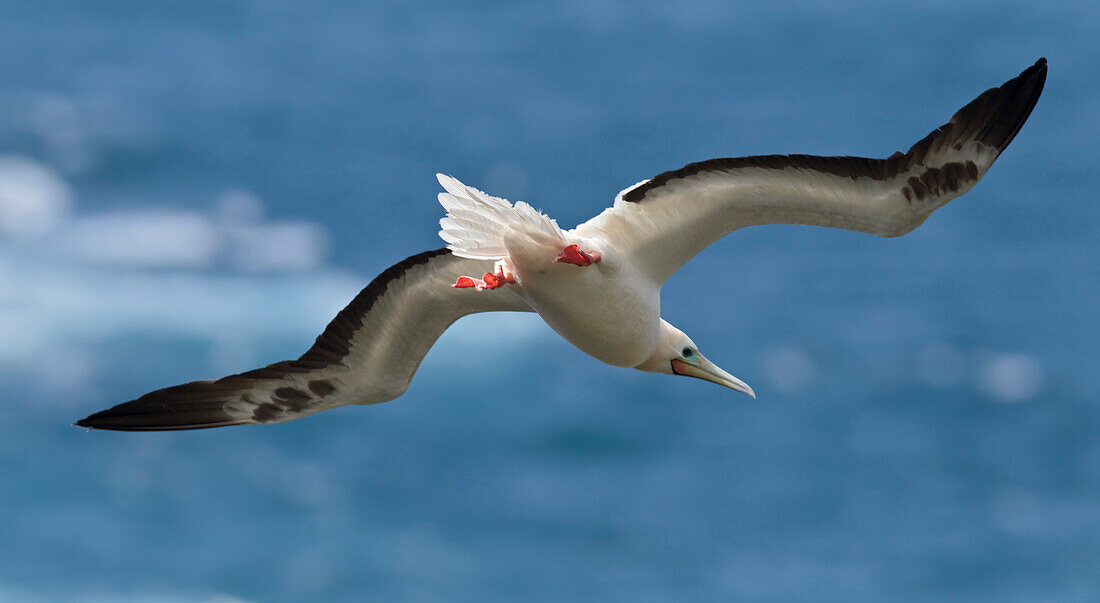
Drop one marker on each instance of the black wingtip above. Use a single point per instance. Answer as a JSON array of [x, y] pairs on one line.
[[108, 421], [993, 118], [1039, 66], [189, 406], [1020, 97]]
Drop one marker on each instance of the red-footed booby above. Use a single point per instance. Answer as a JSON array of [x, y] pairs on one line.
[[597, 285]]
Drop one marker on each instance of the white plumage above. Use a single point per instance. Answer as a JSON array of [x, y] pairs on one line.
[[599, 284], [477, 223]]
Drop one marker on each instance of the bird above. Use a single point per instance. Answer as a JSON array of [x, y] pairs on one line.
[[599, 284]]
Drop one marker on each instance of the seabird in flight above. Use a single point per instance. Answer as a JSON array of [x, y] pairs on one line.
[[598, 285]]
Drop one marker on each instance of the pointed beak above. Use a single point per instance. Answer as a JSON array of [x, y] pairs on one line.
[[707, 370]]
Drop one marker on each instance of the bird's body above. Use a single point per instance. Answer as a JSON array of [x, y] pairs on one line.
[[597, 285], [608, 310]]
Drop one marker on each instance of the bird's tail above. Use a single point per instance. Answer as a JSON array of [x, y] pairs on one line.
[[477, 224]]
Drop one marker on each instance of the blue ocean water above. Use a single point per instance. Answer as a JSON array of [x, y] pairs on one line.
[[193, 189]]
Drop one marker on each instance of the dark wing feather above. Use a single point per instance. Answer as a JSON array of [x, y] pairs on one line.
[[367, 354], [663, 222]]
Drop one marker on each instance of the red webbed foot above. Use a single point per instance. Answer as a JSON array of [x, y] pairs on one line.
[[487, 281], [498, 280], [465, 282], [574, 255]]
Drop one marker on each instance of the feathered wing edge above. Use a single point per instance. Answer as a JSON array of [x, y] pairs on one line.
[[477, 223], [665, 221], [367, 354], [992, 119]]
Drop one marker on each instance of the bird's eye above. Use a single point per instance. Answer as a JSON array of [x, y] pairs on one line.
[[687, 352]]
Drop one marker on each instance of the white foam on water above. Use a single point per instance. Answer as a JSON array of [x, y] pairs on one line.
[[33, 198], [1010, 377]]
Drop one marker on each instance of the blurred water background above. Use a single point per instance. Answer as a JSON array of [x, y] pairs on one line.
[[189, 190]]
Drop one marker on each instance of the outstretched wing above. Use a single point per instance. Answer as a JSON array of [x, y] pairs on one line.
[[366, 355], [663, 222]]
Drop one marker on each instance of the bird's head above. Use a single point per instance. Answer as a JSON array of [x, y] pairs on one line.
[[677, 354]]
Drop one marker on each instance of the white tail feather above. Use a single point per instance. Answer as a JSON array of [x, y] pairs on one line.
[[477, 223]]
